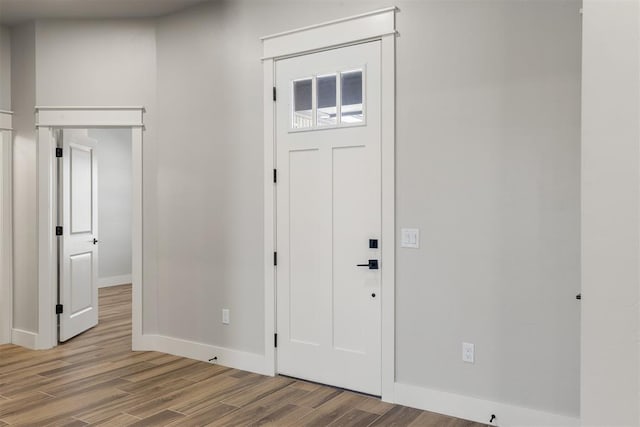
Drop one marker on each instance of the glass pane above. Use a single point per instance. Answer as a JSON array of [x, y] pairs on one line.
[[351, 82], [302, 116], [327, 100]]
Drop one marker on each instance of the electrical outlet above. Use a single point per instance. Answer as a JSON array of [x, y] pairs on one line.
[[225, 316], [468, 352]]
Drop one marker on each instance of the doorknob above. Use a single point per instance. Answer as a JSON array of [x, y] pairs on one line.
[[373, 264], [95, 241]]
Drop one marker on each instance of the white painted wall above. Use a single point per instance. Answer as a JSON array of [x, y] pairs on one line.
[[5, 68], [610, 377], [23, 99], [114, 205], [488, 148]]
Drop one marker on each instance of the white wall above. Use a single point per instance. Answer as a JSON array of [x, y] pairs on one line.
[[610, 388], [5, 68], [114, 205], [488, 149], [25, 243]]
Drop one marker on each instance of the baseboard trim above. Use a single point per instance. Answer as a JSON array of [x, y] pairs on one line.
[[194, 350], [105, 282], [24, 338], [475, 409]]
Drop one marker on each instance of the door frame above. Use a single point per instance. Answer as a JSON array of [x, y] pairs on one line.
[[48, 120], [6, 228], [378, 25]]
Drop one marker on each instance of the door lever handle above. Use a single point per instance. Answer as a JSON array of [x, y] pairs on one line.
[[372, 264], [95, 241]]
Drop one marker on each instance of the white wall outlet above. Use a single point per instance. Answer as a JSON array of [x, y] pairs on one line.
[[225, 316], [410, 238], [468, 352]]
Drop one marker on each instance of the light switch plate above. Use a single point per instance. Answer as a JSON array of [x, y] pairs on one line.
[[410, 238], [225, 316], [468, 352]]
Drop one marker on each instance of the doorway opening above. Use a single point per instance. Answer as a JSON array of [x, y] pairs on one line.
[[69, 212], [94, 208]]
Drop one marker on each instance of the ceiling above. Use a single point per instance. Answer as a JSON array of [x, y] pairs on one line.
[[17, 11]]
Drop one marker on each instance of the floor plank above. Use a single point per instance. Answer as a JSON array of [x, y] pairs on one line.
[[95, 379]]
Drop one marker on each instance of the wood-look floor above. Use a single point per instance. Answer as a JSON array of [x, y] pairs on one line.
[[95, 379]]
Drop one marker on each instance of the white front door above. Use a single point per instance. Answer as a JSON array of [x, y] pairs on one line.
[[329, 217], [78, 244]]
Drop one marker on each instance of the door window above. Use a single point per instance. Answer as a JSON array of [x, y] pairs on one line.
[[328, 100], [351, 111], [302, 116]]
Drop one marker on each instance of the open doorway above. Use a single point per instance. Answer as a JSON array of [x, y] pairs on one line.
[[94, 211], [94, 122]]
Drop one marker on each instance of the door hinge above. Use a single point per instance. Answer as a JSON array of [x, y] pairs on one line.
[[275, 258], [58, 230], [59, 308], [275, 176], [58, 152], [275, 340], [274, 93]]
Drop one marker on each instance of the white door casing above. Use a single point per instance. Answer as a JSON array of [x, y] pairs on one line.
[[328, 209], [6, 238], [48, 119], [78, 244], [369, 26]]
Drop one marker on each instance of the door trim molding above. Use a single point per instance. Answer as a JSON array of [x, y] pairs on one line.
[[376, 25], [6, 228], [48, 119], [336, 33]]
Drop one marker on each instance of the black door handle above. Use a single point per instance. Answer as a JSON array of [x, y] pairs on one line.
[[373, 264], [95, 241]]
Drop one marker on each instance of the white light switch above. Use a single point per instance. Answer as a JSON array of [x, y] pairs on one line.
[[225, 316], [410, 238], [468, 352]]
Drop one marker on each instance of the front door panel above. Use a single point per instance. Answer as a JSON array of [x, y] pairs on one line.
[[328, 208]]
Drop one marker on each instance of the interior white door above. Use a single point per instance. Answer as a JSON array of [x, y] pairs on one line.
[[78, 244], [328, 140]]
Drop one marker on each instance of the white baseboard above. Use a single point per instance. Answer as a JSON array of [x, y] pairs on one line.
[[104, 282], [474, 409], [24, 338], [194, 350]]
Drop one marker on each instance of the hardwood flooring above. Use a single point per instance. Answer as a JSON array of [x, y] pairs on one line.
[[95, 379]]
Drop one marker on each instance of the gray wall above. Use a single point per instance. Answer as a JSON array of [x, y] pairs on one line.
[[488, 165], [5, 68], [610, 214], [488, 149], [25, 226], [108, 62], [114, 202]]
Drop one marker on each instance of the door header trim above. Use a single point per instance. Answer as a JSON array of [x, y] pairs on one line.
[[334, 33], [89, 116]]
